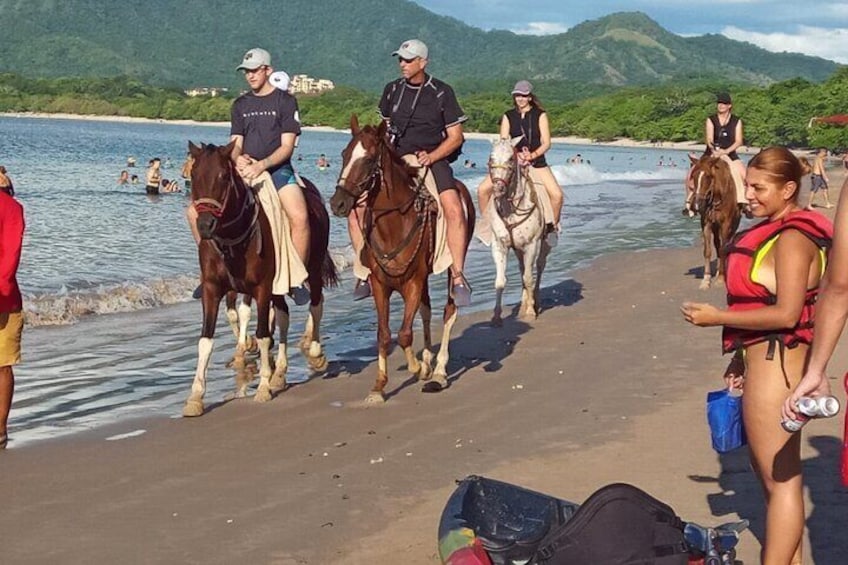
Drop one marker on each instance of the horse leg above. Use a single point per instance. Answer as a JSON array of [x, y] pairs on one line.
[[411, 301], [541, 263], [263, 336], [440, 373], [499, 255], [194, 403], [708, 259], [381, 301], [426, 311], [718, 244], [243, 376], [281, 367], [310, 344], [528, 281]]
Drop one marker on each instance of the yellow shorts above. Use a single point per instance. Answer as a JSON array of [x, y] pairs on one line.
[[11, 327]]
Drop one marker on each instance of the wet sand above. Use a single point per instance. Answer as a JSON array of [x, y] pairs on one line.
[[607, 385]]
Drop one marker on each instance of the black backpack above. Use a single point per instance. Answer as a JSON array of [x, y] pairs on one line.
[[617, 525]]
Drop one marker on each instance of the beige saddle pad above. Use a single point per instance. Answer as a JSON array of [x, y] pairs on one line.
[[737, 179], [290, 269]]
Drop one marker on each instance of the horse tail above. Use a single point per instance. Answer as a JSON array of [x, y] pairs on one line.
[[329, 274]]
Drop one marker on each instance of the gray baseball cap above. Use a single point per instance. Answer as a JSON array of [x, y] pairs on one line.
[[412, 49], [522, 87], [254, 59]]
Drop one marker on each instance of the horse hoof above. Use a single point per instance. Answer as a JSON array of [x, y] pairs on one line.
[[705, 285], [375, 398], [432, 386], [262, 395], [278, 383], [318, 364], [193, 408], [424, 372]]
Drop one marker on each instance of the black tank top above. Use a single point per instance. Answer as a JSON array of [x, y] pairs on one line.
[[528, 126], [725, 136]]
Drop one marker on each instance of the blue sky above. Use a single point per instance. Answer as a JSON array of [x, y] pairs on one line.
[[812, 27]]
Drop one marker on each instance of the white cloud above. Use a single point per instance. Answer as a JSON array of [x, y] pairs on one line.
[[540, 28], [820, 42]]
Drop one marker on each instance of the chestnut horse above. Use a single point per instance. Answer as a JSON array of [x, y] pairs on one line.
[[715, 199], [237, 256], [399, 231]]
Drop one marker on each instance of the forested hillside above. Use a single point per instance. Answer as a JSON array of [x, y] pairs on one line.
[[198, 43]]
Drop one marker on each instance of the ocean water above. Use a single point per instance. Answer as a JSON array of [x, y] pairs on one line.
[[107, 271]]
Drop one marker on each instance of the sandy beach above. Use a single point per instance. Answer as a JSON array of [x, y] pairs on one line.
[[607, 385]]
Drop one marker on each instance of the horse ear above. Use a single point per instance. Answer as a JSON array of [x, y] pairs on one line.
[[693, 158], [193, 149], [227, 150], [354, 124], [516, 140], [381, 129]]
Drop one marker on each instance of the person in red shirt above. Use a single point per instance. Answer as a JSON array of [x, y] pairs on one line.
[[11, 303]]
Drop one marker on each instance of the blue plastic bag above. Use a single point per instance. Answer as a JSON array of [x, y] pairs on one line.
[[724, 415]]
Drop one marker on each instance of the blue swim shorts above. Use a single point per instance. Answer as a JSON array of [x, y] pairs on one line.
[[283, 176]]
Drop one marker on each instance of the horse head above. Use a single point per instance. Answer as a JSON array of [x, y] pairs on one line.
[[361, 168], [213, 182], [714, 185], [502, 171]]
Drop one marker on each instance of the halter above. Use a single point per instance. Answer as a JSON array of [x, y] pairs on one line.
[[522, 214]]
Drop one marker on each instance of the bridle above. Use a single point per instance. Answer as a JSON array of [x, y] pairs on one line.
[[521, 214], [249, 208], [366, 190]]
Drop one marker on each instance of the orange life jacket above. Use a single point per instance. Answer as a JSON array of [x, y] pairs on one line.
[[743, 293]]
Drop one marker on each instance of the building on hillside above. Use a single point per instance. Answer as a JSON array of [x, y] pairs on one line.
[[305, 84], [206, 91]]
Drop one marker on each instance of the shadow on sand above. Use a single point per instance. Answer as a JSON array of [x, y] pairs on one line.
[[741, 494], [466, 350]]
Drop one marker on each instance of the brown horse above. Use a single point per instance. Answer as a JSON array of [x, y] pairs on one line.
[[237, 255], [715, 199], [399, 231]]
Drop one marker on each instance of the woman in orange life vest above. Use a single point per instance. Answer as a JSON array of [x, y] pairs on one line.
[[773, 273]]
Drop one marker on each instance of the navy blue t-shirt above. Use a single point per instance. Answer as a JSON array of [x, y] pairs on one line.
[[262, 120]]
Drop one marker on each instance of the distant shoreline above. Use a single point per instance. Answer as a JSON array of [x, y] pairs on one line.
[[567, 140]]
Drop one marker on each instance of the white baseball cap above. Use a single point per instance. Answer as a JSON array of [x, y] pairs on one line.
[[280, 80], [412, 49], [254, 59]]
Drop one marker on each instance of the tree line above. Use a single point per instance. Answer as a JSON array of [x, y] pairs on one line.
[[779, 114]]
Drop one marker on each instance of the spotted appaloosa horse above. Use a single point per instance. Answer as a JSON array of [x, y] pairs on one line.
[[715, 199], [517, 223], [400, 235], [237, 255]]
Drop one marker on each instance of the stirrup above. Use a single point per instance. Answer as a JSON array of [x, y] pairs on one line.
[[300, 294], [552, 235], [362, 290], [461, 291]]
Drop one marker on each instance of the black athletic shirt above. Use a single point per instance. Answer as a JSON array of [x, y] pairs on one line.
[[262, 120], [425, 127], [528, 127]]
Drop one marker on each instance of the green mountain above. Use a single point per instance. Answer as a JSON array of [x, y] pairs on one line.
[[199, 43]]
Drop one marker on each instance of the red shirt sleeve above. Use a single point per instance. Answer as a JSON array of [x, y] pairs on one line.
[[11, 241]]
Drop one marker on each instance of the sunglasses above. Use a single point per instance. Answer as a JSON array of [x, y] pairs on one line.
[[405, 60]]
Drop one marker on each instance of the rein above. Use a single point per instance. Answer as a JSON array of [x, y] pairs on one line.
[[373, 184], [522, 214]]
